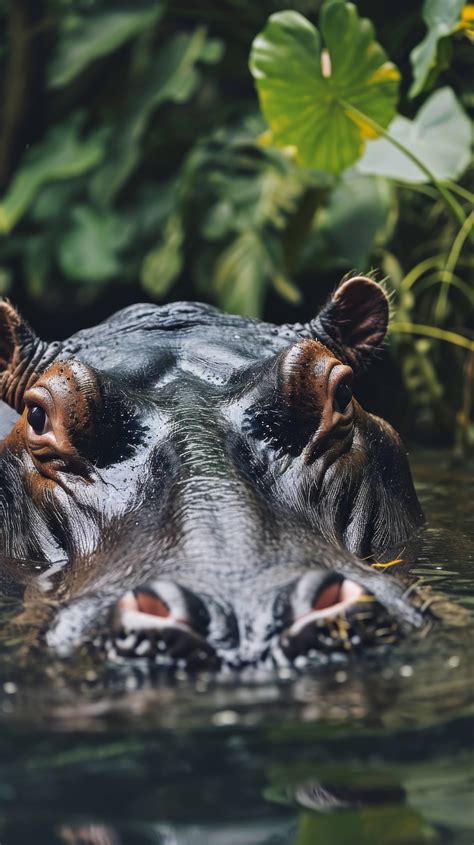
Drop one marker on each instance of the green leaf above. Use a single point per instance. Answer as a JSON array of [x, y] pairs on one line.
[[61, 155], [441, 18], [173, 78], [440, 136], [253, 191], [37, 259], [241, 275], [358, 215], [286, 289], [86, 39], [306, 93], [89, 250], [162, 266]]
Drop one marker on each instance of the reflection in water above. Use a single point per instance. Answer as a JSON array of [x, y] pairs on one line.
[[90, 834], [368, 752]]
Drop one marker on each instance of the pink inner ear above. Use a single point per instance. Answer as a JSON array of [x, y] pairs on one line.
[[362, 312]]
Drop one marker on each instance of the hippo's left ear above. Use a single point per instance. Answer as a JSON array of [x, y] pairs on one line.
[[354, 321], [22, 356]]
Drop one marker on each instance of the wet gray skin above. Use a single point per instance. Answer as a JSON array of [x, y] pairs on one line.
[[200, 488]]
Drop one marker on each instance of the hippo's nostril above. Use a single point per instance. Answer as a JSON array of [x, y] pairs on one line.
[[162, 621], [337, 596], [342, 397], [151, 603], [333, 614], [144, 601]]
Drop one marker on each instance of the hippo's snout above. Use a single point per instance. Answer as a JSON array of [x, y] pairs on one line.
[[318, 614]]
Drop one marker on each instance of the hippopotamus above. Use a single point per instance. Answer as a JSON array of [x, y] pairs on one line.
[[205, 487]]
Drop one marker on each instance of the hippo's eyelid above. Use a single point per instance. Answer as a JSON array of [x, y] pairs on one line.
[[40, 396]]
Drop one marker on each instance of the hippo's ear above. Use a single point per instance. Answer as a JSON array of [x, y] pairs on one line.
[[22, 356], [354, 321]]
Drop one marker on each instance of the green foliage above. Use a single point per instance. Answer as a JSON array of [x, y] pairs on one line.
[[432, 54], [162, 265], [307, 94], [359, 215], [440, 136], [90, 249], [133, 158], [236, 198], [61, 155], [87, 38], [174, 77]]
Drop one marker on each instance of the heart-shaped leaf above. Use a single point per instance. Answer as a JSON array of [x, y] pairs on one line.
[[440, 136], [315, 99]]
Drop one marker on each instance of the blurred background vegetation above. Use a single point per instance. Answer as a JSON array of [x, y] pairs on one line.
[[132, 168]]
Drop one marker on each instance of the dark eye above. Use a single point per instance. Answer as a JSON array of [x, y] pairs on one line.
[[342, 397], [37, 418]]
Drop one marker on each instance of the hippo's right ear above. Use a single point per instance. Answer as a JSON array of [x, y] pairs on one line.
[[354, 322], [22, 356]]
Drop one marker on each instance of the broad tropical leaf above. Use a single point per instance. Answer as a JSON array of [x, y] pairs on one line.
[[62, 154], [315, 99], [162, 266], [173, 77], [358, 215], [440, 136], [241, 275], [442, 18], [86, 39], [89, 250]]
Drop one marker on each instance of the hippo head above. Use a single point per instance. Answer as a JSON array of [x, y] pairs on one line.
[[206, 485]]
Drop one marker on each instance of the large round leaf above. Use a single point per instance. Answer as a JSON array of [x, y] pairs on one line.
[[315, 99]]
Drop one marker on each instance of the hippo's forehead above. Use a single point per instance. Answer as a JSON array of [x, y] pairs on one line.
[[147, 343]]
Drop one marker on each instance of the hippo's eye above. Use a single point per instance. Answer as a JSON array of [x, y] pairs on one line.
[[37, 419], [342, 397]]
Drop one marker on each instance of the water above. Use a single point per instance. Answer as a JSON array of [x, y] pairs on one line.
[[368, 752]]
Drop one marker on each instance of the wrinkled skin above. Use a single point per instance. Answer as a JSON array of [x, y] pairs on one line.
[[208, 481]]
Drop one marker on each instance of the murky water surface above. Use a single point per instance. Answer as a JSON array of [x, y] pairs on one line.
[[373, 751]]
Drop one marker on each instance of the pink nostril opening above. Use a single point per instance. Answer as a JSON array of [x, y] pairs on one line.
[[338, 595], [144, 603], [148, 603], [333, 599], [328, 596]]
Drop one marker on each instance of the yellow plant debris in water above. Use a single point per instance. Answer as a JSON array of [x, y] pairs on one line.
[[386, 565]]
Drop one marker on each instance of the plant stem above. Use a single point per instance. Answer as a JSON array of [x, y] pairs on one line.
[[444, 278], [417, 271], [451, 262], [460, 191], [452, 203], [433, 332]]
